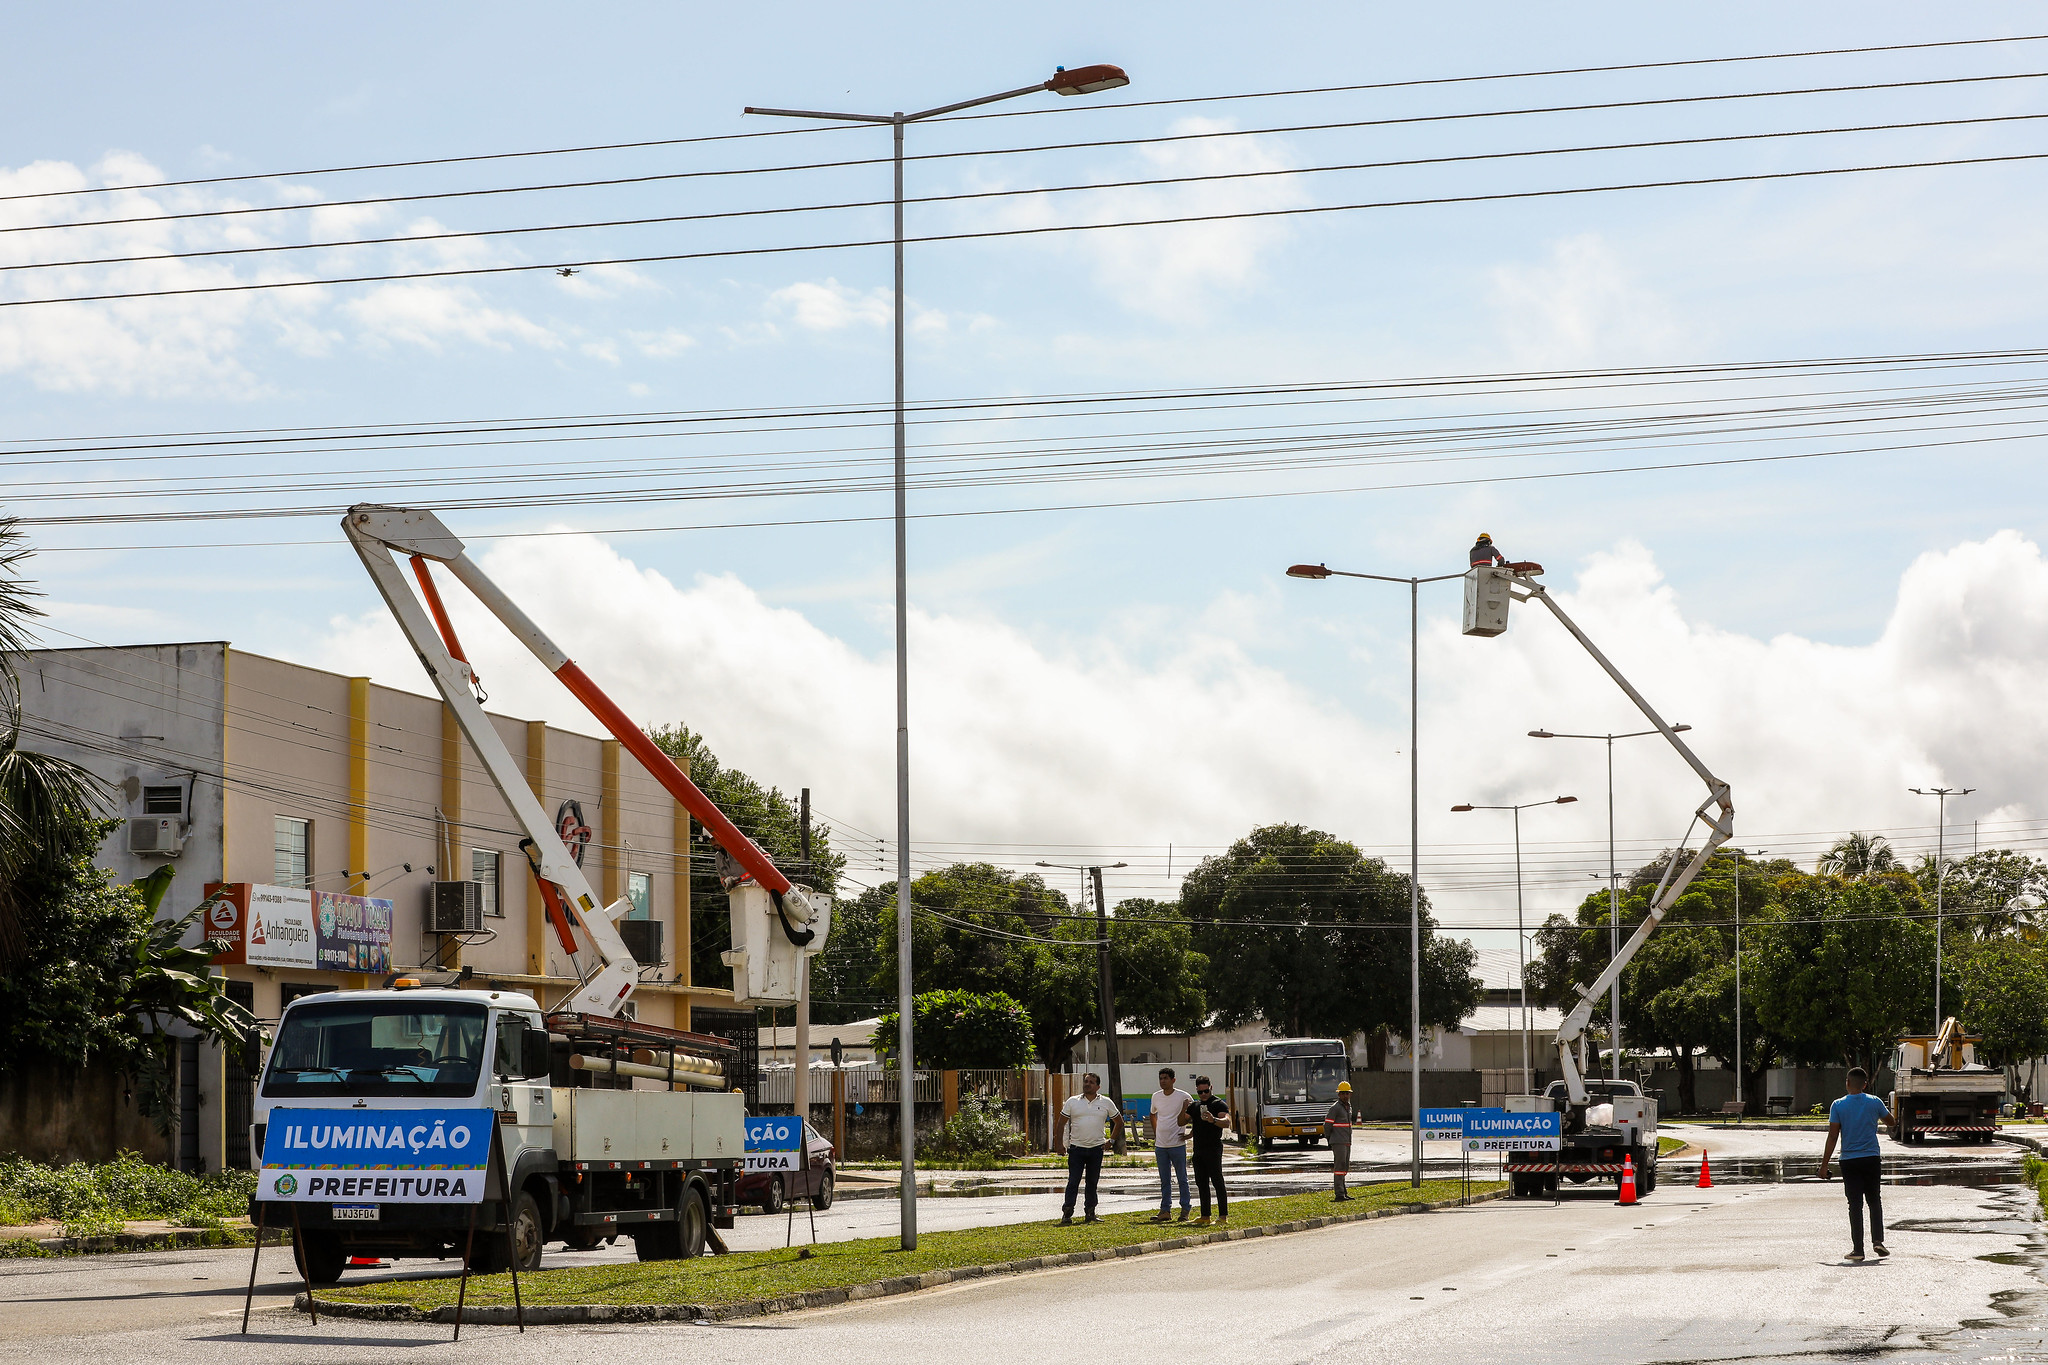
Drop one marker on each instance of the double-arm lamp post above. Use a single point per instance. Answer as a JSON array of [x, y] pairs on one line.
[[1613, 886], [1941, 795], [1521, 956], [1106, 987], [1084, 80], [1319, 571]]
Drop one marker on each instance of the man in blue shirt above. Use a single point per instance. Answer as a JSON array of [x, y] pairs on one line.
[[1853, 1121]]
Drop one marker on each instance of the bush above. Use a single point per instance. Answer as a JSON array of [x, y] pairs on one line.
[[981, 1128], [126, 1187]]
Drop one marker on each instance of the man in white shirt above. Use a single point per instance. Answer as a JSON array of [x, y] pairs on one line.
[[1169, 1144], [1084, 1123]]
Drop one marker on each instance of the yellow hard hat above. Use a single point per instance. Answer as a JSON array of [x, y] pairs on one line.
[[1484, 536], [1343, 1087]]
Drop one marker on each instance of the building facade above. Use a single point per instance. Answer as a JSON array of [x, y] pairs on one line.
[[355, 799]]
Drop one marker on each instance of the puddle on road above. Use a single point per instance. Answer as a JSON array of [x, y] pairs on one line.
[[1977, 1170]]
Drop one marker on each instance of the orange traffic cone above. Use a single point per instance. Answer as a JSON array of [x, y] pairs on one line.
[[1628, 1181], [1706, 1176]]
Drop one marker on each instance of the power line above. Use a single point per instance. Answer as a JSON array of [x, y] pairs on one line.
[[988, 234], [1029, 191]]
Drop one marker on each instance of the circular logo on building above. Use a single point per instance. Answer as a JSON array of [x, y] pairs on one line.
[[225, 914], [575, 833], [287, 1185], [326, 918]]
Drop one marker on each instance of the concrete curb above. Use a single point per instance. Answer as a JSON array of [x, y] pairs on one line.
[[580, 1313], [176, 1239]]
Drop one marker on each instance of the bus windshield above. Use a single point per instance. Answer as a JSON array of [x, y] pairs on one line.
[[1305, 1078], [383, 1048]]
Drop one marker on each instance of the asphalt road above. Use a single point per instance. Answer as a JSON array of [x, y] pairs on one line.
[[188, 1293], [1742, 1272]]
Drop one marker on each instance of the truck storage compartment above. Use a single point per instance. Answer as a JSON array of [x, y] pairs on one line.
[[647, 1125]]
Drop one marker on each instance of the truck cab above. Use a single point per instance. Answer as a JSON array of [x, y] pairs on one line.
[[650, 1164]]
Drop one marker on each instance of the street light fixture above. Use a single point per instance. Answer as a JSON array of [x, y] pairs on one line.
[[1320, 571], [1080, 81], [1107, 988], [1941, 795], [1613, 883], [1521, 958]]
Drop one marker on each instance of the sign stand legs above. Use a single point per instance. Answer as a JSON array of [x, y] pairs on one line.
[[468, 1246], [255, 1255], [494, 1164], [299, 1257]]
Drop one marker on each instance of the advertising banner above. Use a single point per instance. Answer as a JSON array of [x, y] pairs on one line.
[[773, 1144], [364, 1157], [1497, 1130], [264, 926], [354, 932]]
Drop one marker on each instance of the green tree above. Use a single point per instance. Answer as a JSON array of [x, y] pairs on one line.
[[2005, 1001], [1990, 894], [1840, 969], [1308, 934], [1859, 855], [770, 819], [953, 1030], [978, 927]]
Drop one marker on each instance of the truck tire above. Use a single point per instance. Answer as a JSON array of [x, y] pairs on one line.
[[1646, 1174], [490, 1258], [1522, 1186], [321, 1257], [693, 1223]]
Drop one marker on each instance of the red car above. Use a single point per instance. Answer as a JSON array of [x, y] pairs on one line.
[[772, 1189]]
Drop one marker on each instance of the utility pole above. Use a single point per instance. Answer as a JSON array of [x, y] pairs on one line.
[[800, 1041], [1941, 795], [1107, 989]]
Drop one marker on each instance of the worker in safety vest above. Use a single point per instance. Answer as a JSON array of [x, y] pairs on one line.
[[1337, 1128], [1485, 555]]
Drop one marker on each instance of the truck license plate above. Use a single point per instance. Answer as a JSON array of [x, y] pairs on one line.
[[356, 1213]]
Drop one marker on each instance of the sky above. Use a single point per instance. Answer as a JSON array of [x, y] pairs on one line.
[[1124, 434]]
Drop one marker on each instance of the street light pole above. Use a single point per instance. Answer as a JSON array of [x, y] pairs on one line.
[[1320, 571], [1521, 957], [1738, 970], [1082, 81], [1941, 795], [1613, 886], [1106, 988]]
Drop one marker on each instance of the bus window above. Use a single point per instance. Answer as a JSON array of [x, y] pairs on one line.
[[1305, 1078]]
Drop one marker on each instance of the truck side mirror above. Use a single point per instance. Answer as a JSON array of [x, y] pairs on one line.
[[538, 1062]]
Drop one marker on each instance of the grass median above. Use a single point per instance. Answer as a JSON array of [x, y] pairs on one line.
[[749, 1275]]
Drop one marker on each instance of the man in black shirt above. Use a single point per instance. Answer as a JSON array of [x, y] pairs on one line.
[[1211, 1116]]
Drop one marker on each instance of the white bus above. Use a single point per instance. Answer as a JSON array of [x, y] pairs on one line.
[[1282, 1087]]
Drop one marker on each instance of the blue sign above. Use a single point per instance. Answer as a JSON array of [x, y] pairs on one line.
[[773, 1144], [1495, 1130], [386, 1156], [1441, 1119]]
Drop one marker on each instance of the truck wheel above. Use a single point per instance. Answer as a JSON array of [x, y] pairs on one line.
[[657, 1242], [1520, 1185], [693, 1221], [322, 1257], [824, 1195], [1646, 1175], [772, 1201], [490, 1258]]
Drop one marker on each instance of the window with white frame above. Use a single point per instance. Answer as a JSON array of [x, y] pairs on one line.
[[291, 847], [640, 893], [484, 866]]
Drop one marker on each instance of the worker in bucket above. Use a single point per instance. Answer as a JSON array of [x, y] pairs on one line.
[[1337, 1128], [1485, 554]]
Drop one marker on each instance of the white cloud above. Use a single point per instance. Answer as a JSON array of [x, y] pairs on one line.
[[830, 306], [1172, 271], [1014, 740], [1581, 304], [663, 345], [433, 315]]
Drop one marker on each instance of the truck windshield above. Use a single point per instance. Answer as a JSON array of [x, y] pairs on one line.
[[1305, 1078], [380, 1048]]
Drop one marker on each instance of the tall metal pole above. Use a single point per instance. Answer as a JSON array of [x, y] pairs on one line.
[[800, 1040], [1613, 925], [1522, 956], [1116, 1075], [907, 1076], [1414, 888], [1940, 875], [1738, 976]]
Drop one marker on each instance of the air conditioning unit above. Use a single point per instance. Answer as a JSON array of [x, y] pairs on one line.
[[643, 939], [156, 836], [456, 908]]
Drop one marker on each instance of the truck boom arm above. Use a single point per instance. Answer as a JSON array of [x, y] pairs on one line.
[[1717, 813], [377, 533]]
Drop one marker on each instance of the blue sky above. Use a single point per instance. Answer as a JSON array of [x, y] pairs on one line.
[[1904, 262]]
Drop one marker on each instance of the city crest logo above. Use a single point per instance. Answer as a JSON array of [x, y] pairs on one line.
[[287, 1184]]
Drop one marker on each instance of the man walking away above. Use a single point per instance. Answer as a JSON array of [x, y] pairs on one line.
[[1337, 1128], [1211, 1116], [1169, 1144], [1085, 1120], [1854, 1120], [1484, 555]]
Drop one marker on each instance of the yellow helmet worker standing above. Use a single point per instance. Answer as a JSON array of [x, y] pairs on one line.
[[1485, 554], [1337, 1127]]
